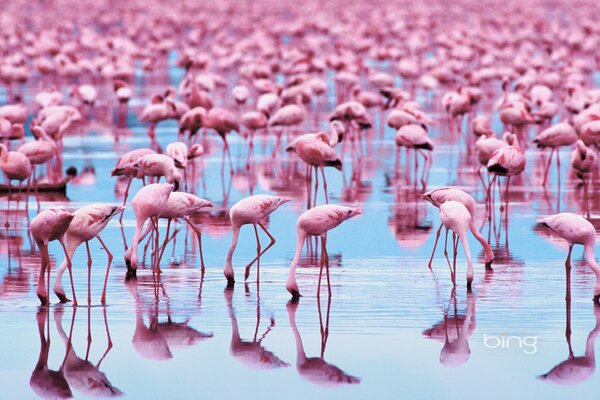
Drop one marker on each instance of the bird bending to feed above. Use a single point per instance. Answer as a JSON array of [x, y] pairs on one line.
[[251, 210], [149, 203], [180, 205], [317, 222], [45, 227], [456, 217], [576, 230], [439, 196], [87, 224]]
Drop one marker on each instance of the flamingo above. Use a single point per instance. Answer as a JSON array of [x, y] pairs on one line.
[[413, 136], [251, 210], [336, 134], [124, 95], [317, 153], [15, 113], [159, 109], [317, 222], [157, 165], [506, 161], [575, 230], [192, 121], [10, 131], [481, 126], [439, 196], [47, 226], [456, 217], [16, 166], [179, 205], [223, 122], [555, 137], [87, 223], [584, 161], [253, 121], [180, 153], [125, 167], [38, 152], [149, 203]]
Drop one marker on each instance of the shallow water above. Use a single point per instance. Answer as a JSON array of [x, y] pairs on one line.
[[381, 335]]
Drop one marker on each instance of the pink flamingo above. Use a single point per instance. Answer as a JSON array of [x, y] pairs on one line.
[[38, 152], [192, 121], [413, 136], [506, 161], [87, 223], [158, 110], [555, 137], [223, 122], [149, 203], [253, 121], [439, 196], [180, 153], [481, 126], [584, 161], [157, 165], [125, 167], [575, 230], [10, 131], [16, 166], [179, 205], [456, 217], [124, 95], [316, 152], [317, 222], [45, 227], [251, 210], [15, 113]]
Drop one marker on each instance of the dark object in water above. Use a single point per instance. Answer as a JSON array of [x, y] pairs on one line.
[[59, 187]]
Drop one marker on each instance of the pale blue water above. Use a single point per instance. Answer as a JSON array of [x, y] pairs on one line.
[[384, 296]]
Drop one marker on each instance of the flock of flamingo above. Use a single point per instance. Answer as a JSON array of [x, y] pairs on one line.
[[315, 83]]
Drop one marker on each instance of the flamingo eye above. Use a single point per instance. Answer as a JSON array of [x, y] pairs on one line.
[[349, 212]]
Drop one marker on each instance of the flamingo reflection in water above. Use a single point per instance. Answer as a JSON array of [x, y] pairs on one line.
[[315, 369], [251, 353], [80, 373], [45, 382], [575, 370], [454, 331], [155, 340]]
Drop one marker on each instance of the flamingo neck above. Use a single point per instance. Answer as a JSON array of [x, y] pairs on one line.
[[301, 235], [234, 241], [591, 260]]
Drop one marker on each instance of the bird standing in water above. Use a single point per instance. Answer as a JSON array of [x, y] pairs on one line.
[[251, 210], [45, 227], [576, 230], [87, 224], [317, 222]]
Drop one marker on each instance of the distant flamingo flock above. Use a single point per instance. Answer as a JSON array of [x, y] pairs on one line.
[[314, 83]]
